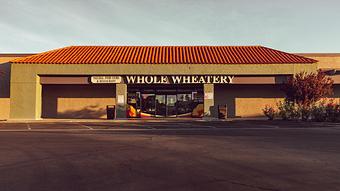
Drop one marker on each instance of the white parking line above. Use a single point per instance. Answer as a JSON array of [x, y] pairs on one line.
[[196, 125], [28, 126], [85, 126]]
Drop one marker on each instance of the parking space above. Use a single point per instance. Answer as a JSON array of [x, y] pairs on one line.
[[108, 125], [158, 125]]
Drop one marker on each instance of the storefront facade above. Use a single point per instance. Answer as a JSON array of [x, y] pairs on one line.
[[150, 82]]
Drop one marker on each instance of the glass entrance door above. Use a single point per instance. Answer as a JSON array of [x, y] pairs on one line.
[[166, 105], [171, 110], [184, 104], [160, 106]]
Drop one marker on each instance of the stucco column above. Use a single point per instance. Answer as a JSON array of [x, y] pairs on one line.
[[121, 93], [209, 107], [26, 98]]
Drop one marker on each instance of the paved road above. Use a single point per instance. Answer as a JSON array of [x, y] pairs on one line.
[[161, 158]]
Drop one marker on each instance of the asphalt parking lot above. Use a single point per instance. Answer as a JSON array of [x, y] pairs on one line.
[[169, 156], [51, 125]]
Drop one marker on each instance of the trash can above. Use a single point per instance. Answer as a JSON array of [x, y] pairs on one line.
[[110, 111], [222, 111]]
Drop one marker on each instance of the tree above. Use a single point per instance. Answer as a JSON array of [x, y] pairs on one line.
[[305, 89]]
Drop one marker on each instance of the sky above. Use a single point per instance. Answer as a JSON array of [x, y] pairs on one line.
[[297, 26]]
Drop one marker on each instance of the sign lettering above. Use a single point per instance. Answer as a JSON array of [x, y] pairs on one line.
[[165, 79], [106, 79]]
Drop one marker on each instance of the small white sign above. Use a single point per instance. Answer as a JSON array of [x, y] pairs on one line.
[[120, 99], [106, 79], [209, 95]]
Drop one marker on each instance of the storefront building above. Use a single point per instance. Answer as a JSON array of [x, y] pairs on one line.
[[148, 81]]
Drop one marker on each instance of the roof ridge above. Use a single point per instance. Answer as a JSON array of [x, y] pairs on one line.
[[38, 54], [163, 46], [292, 54]]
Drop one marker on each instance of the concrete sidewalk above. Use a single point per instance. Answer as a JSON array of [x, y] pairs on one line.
[[130, 120]]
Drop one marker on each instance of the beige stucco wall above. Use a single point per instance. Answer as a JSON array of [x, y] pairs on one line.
[[247, 100], [4, 108], [5, 72], [77, 101], [325, 60], [252, 107], [31, 70], [26, 89]]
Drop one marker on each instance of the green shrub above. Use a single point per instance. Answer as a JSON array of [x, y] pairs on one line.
[[288, 110], [269, 112], [333, 112], [304, 111], [326, 112], [318, 112]]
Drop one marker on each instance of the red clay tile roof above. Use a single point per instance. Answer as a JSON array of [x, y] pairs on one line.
[[163, 55]]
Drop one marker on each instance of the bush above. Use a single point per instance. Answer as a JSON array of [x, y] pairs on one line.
[[333, 112], [318, 112], [326, 112], [288, 110], [304, 112], [269, 112]]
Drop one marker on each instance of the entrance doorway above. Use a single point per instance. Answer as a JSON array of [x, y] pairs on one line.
[[165, 101]]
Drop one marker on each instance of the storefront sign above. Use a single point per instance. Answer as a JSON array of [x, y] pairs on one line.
[[164, 79], [179, 79], [106, 79]]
